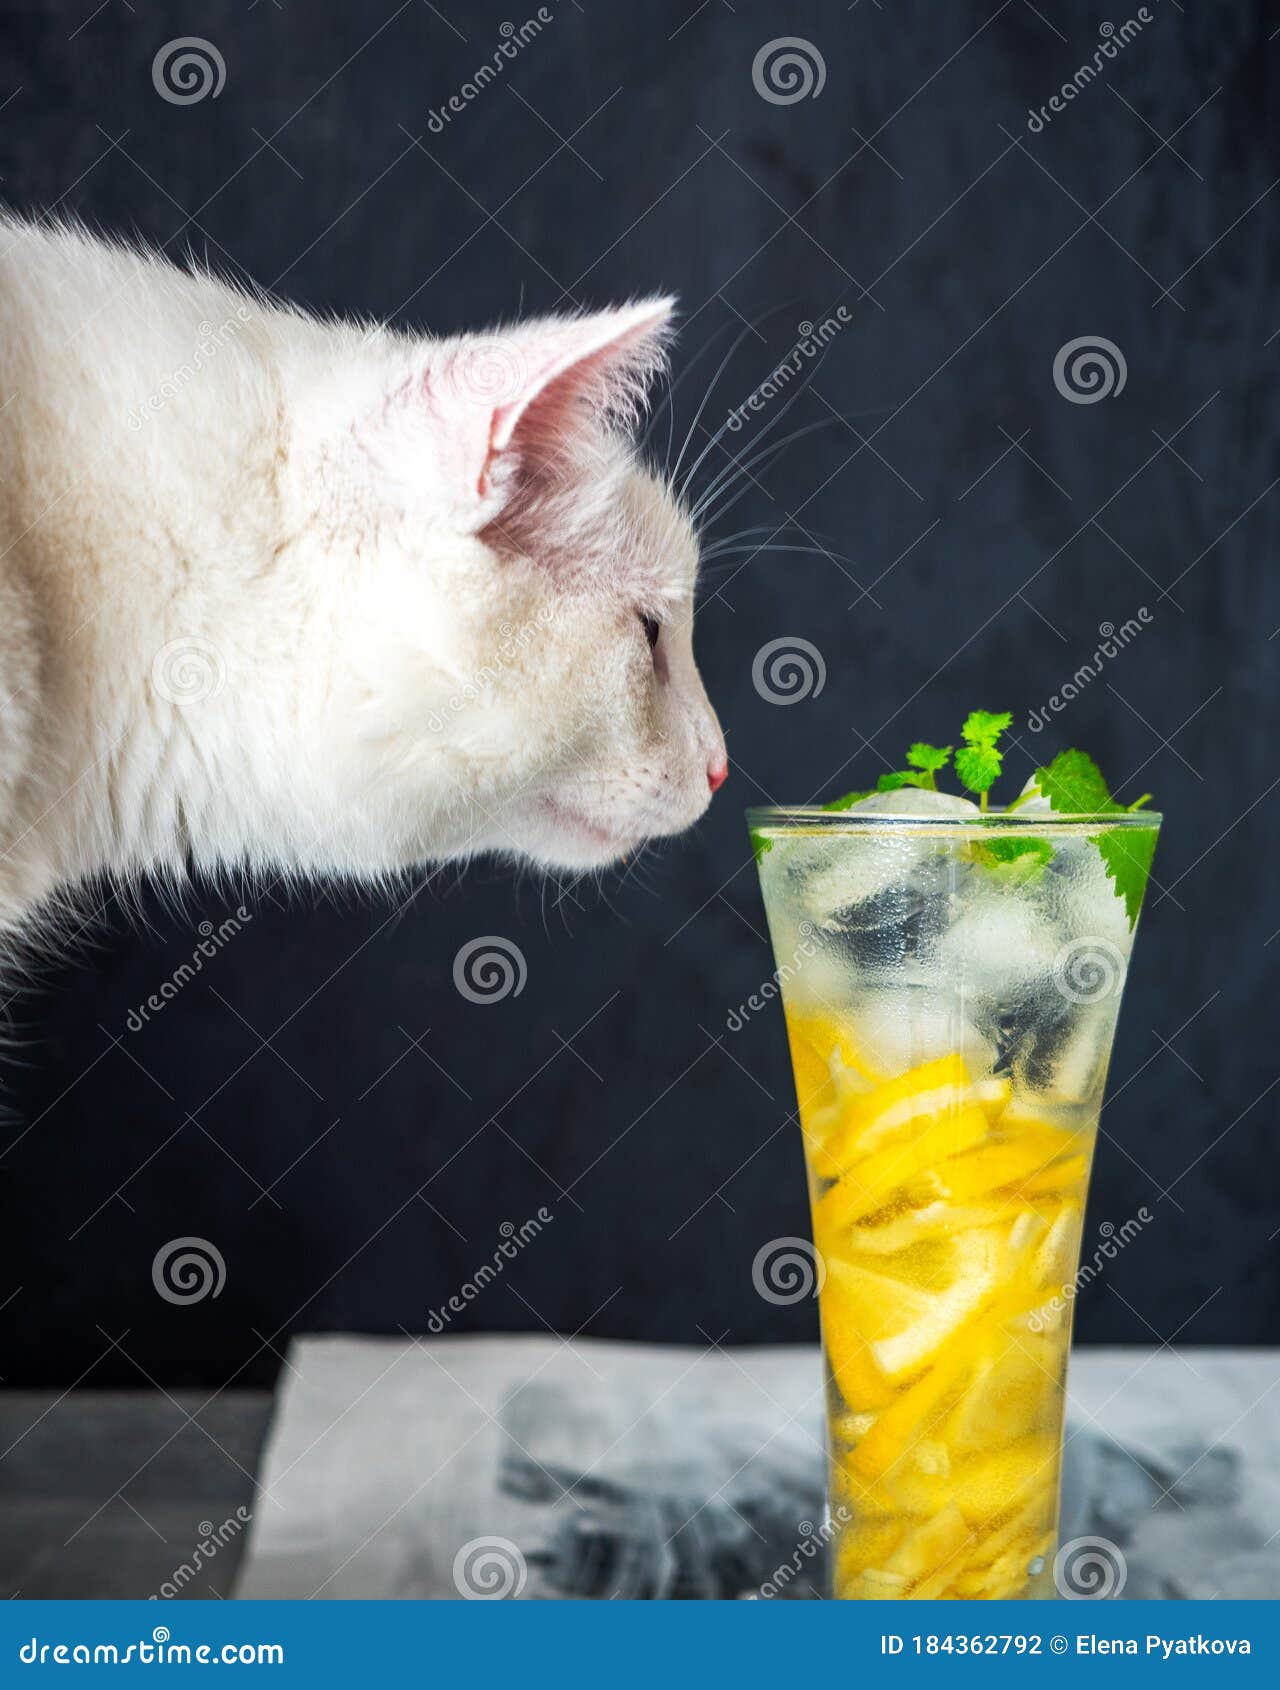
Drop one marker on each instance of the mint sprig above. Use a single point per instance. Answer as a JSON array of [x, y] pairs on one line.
[[923, 763], [1072, 784], [979, 760]]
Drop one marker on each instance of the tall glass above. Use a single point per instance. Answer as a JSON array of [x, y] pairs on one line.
[[951, 990]]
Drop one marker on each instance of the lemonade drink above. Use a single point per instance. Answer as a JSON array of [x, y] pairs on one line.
[[951, 982]]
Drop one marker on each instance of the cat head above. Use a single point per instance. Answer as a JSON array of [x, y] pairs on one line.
[[511, 668]]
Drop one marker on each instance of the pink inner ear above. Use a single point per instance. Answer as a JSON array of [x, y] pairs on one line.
[[600, 360]]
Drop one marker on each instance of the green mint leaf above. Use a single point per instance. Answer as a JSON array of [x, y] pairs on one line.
[[978, 765], [930, 758], [1016, 861], [847, 802], [1127, 853], [978, 762], [898, 778], [760, 846], [1073, 784], [984, 727], [1010, 850]]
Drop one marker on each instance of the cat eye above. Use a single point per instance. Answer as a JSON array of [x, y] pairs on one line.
[[652, 628]]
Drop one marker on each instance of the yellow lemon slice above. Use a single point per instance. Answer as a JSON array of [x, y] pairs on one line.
[[988, 1485], [869, 1543], [848, 1428], [931, 1548], [890, 1109], [872, 1182], [872, 1585], [813, 1039], [1008, 1575], [917, 1226], [1014, 1390], [1056, 1255], [906, 1325], [885, 1448], [1067, 1175], [858, 1376], [1016, 1163], [1029, 1522], [819, 1041]]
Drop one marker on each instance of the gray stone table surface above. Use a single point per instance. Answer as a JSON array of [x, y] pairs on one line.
[[611, 1468], [116, 1493]]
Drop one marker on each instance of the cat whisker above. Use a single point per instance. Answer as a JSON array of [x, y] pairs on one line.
[[745, 533], [743, 465], [759, 550], [674, 383], [724, 427], [809, 378], [697, 416], [769, 531]]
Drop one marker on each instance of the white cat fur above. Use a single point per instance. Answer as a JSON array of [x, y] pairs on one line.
[[293, 595]]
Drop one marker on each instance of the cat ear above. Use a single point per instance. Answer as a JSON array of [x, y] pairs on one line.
[[529, 388]]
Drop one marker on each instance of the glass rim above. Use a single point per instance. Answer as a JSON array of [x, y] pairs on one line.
[[814, 817]]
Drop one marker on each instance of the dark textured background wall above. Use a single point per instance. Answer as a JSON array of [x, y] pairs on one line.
[[321, 1103]]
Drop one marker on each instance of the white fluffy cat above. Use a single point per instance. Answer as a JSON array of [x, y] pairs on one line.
[[323, 597]]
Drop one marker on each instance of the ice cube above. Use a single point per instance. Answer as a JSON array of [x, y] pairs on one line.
[[1031, 801], [860, 873], [1087, 904], [999, 945], [999, 955], [914, 801], [902, 1026], [1075, 1070], [887, 890]]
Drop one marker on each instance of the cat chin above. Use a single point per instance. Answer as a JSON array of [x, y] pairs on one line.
[[560, 835]]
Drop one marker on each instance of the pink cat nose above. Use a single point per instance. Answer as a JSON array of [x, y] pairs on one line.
[[717, 772]]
